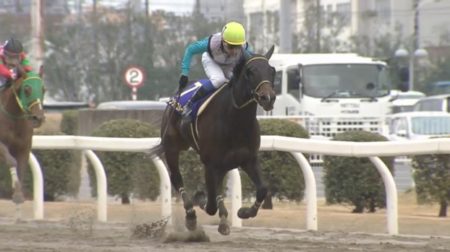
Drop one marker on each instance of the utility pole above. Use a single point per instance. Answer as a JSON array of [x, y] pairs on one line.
[[416, 25], [264, 25], [37, 38], [285, 26]]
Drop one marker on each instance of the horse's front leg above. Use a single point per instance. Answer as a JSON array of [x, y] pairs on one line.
[[253, 170], [172, 159], [214, 202], [11, 162]]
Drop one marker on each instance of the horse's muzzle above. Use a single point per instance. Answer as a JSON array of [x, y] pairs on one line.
[[266, 97]]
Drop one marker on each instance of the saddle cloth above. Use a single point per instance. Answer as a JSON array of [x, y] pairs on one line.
[[178, 102]]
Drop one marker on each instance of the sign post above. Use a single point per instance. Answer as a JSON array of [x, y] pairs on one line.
[[134, 77]]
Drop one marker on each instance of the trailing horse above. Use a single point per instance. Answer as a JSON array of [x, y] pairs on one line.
[[20, 111], [226, 136]]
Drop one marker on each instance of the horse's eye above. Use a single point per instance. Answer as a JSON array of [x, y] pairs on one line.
[[28, 91], [273, 70]]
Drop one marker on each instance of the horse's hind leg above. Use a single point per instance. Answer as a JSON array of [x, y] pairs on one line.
[[172, 159], [253, 170]]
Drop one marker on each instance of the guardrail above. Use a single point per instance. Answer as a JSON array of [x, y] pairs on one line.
[[296, 146]]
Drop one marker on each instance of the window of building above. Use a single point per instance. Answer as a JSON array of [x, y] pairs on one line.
[[383, 10], [344, 12]]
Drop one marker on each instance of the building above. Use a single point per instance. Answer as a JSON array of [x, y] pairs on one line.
[[222, 10], [419, 23]]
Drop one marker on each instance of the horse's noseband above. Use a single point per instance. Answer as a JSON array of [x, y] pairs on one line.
[[255, 93]]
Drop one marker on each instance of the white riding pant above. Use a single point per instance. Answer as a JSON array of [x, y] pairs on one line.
[[216, 73]]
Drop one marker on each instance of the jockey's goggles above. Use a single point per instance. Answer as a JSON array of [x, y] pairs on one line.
[[232, 47], [11, 58]]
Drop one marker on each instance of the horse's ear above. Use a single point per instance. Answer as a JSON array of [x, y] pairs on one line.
[[270, 52]]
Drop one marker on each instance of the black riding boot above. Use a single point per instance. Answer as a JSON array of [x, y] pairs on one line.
[[187, 109]]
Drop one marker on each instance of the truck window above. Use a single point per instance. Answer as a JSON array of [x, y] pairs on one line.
[[429, 105], [293, 82], [345, 80], [448, 104], [277, 82]]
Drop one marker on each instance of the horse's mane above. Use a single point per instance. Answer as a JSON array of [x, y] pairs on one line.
[[238, 68], [240, 65]]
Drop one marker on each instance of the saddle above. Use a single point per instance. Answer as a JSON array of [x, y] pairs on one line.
[[189, 127], [178, 102]]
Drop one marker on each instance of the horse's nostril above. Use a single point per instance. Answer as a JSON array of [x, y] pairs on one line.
[[265, 98]]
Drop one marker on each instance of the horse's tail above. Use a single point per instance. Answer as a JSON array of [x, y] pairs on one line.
[[158, 150]]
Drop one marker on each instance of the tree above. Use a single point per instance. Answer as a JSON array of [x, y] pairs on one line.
[[320, 31], [90, 57]]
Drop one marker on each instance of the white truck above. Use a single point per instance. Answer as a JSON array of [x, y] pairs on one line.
[[331, 93]]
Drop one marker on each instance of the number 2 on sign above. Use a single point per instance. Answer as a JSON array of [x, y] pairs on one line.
[[134, 76]]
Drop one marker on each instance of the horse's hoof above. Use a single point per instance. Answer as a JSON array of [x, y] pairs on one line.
[[191, 223], [199, 199], [245, 213], [224, 229]]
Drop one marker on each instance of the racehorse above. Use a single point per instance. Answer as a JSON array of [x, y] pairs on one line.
[[227, 137], [21, 110]]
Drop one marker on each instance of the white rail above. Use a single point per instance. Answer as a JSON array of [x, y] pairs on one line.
[[296, 146]]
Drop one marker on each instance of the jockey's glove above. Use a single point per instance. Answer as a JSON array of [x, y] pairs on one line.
[[183, 82]]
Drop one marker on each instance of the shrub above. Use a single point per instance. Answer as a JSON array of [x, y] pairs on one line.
[[432, 178], [69, 122], [127, 172], [355, 180], [60, 169]]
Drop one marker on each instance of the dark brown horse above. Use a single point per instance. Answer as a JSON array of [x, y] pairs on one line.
[[20, 111], [228, 137]]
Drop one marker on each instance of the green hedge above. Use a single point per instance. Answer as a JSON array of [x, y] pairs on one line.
[[69, 122], [127, 172], [355, 181], [432, 178], [60, 169]]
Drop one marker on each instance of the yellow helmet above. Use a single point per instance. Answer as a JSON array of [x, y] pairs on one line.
[[233, 33]]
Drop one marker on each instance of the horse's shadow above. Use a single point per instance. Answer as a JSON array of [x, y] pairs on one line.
[[226, 136]]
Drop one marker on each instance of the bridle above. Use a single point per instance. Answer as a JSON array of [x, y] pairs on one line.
[[253, 92], [26, 111]]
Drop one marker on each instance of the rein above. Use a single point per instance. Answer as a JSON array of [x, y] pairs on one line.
[[26, 114], [253, 91]]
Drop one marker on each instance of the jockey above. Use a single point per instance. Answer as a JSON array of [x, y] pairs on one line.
[[220, 53], [13, 61]]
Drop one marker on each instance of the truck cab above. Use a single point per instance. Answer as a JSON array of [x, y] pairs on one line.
[[340, 91]]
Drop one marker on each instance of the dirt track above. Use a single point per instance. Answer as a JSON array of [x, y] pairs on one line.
[[71, 226]]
